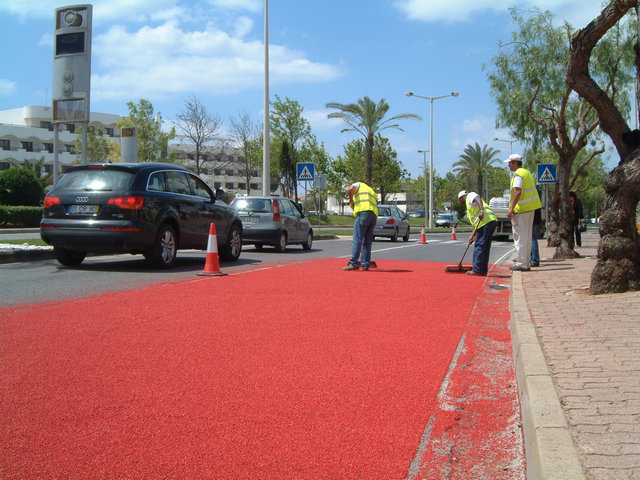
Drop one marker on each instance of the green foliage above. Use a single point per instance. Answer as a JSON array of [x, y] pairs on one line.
[[99, 148], [475, 163], [367, 118], [153, 143], [18, 216], [20, 186]]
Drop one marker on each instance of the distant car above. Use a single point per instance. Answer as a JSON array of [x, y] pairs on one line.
[[150, 208], [447, 220], [416, 214], [275, 221], [392, 222]]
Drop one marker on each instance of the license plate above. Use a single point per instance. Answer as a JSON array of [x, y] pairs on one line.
[[250, 219], [83, 209]]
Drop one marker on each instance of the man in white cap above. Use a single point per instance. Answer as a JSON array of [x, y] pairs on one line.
[[522, 206], [484, 223]]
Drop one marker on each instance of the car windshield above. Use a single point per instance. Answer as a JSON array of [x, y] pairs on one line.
[[445, 217], [260, 205], [384, 212], [95, 180]]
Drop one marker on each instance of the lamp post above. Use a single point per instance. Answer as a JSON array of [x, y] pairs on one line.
[[424, 169], [431, 99], [510, 142]]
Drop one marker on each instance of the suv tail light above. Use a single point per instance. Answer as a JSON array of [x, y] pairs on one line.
[[391, 221], [127, 203], [50, 201], [276, 211]]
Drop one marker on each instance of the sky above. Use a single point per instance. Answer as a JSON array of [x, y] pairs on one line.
[[321, 51]]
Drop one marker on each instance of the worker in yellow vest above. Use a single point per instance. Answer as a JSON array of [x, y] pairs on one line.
[[523, 203], [364, 202], [484, 222]]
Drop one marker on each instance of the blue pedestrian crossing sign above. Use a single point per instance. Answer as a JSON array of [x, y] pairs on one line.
[[547, 173], [306, 171]]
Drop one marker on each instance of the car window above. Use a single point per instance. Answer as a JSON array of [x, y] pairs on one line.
[[258, 205], [200, 188], [384, 212], [95, 180], [285, 207], [156, 182], [177, 182]]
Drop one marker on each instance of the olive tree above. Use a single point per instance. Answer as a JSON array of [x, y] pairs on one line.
[[618, 265]]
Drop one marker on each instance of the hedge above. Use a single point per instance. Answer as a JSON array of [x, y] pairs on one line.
[[11, 216]]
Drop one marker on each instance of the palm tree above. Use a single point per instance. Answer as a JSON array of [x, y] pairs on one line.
[[476, 162], [367, 118]]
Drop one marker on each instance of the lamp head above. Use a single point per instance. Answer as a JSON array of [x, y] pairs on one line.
[[455, 94], [409, 94]]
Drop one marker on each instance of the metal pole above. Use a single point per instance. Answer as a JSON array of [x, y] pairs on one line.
[[266, 144], [431, 167], [56, 153]]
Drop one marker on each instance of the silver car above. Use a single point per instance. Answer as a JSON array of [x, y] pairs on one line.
[[275, 221], [392, 222]]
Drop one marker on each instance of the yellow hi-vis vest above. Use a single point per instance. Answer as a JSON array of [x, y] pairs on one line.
[[473, 213], [365, 199], [529, 199]]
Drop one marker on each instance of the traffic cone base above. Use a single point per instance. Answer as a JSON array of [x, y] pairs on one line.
[[212, 265]]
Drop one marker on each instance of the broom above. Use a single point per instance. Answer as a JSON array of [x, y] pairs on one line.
[[459, 268]]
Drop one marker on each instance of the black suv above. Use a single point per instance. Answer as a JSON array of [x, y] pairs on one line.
[[149, 208]]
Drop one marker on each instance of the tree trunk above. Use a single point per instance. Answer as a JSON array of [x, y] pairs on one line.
[[618, 267], [565, 240]]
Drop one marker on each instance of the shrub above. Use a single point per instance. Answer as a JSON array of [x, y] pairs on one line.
[[20, 186], [20, 216]]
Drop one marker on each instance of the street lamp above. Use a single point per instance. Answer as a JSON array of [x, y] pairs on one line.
[[510, 142], [431, 99], [424, 165]]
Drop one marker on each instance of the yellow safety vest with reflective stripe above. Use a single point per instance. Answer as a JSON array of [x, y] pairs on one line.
[[365, 199], [473, 213], [529, 199]]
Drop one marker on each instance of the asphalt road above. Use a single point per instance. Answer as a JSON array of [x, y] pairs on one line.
[[46, 280]]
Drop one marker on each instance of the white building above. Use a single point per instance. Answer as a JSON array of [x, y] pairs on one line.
[[27, 134]]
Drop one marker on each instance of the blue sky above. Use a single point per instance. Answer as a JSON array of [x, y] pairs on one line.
[[321, 51]]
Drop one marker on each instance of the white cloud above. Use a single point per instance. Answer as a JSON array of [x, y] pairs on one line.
[[157, 62], [7, 87], [319, 121], [576, 12]]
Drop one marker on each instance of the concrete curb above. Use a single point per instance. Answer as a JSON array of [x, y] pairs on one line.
[[550, 451]]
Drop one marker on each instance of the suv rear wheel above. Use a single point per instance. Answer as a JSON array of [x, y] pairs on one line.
[[231, 251], [163, 252], [307, 245], [68, 258]]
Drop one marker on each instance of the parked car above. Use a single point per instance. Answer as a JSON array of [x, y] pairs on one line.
[[275, 221], [392, 222], [416, 214], [447, 220], [150, 208]]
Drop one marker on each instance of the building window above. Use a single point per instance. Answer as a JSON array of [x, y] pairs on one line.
[[230, 172], [254, 186], [217, 171], [217, 185], [48, 168], [228, 185], [48, 147], [70, 148], [46, 125], [70, 127], [109, 131], [28, 146], [5, 144], [242, 186], [5, 165]]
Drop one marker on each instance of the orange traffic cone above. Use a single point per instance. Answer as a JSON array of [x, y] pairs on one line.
[[212, 265], [423, 239], [453, 232]]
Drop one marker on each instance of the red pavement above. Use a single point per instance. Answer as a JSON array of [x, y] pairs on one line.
[[301, 371]]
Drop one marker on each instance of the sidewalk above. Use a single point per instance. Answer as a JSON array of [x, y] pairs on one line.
[[578, 365]]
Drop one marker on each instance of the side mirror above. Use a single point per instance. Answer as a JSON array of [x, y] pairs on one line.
[[220, 194]]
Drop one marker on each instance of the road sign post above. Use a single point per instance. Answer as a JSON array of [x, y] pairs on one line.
[[306, 173], [546, 175]]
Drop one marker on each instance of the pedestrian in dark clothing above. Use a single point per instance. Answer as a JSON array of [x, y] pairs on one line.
[[576, 209]]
